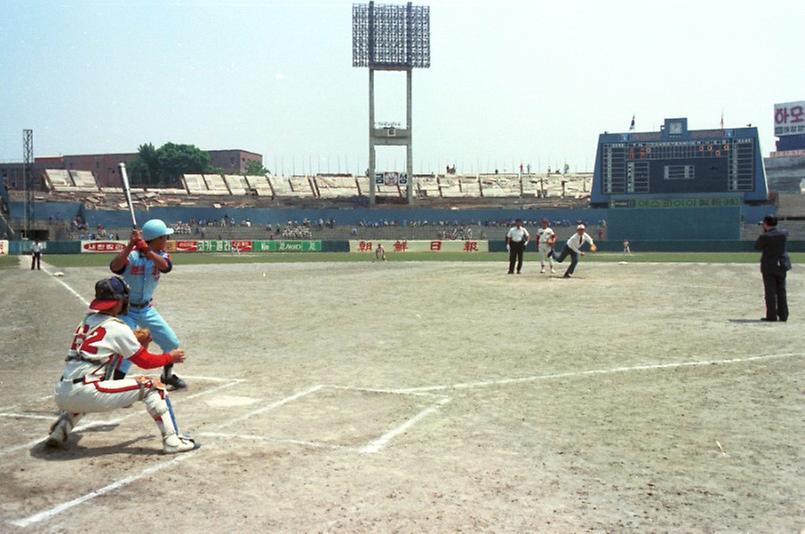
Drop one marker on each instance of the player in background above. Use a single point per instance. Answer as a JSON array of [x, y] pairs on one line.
[[100, 343], [141, 263], [546, 238], [573, 249], [380, 252]]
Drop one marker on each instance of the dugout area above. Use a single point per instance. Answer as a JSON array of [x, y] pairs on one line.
[[425, 396]]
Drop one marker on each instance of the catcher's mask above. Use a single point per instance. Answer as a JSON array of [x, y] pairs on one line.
[[109, 292]]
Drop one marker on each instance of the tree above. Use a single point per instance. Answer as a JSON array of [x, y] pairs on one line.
[[176, 160], [144, 169], [255, 168]]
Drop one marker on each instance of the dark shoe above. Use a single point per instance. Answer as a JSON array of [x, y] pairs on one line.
[[567, 275], [174, 381], [510, 272], [768, 320]]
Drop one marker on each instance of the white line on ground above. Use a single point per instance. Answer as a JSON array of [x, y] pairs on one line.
[[70, 289], [94, 424], [316, 444], [26, 416], [271, 406], [387, 391], [47, 514], [378, 444], [212, 378], [647, 367]]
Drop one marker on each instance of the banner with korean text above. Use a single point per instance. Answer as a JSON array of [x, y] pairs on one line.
[[403, 245], [103, 247], [237, 245]]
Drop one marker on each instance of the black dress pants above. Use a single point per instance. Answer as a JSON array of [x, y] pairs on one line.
[[776, 298], [516, 255]]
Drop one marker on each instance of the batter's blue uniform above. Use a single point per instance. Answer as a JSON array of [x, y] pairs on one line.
[[142, 276]]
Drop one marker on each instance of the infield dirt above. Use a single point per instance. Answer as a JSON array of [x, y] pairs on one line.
[[425, 397]]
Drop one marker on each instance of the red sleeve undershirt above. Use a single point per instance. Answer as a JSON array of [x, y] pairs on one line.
[[148, 360]]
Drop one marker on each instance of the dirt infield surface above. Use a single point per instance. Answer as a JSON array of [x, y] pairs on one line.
[[378, 397]]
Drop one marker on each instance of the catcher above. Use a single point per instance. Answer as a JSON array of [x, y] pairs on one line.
[[100, 344]]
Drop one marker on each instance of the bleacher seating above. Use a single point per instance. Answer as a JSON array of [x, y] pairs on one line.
[[195, 184], [791, 205], [500, 185], [59, 180], [216, 184], [449, 186], [301, 186], [335, 186], [237, 184], [84, 180], [531, 184], [469, 186], [260, 185], [427, 185], [281, 186]]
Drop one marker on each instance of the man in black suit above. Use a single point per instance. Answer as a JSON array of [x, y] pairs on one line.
[[774, 263]]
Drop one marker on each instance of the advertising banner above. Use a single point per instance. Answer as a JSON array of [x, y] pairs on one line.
[[789, 118], [287, 246], [104, 247], [236, 245], [403, 245], [3, 247]]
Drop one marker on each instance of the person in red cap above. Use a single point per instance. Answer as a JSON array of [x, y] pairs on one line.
[[100, 344]]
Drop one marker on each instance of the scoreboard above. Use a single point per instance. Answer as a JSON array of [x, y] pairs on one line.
[[675, 161]]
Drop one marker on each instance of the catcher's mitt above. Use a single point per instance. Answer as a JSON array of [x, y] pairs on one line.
[[143, 335]]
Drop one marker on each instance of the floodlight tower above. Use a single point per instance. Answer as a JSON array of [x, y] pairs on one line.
[[28, 179], [395, 38]]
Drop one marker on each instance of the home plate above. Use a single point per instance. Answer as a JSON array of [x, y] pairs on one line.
[[225, 401]]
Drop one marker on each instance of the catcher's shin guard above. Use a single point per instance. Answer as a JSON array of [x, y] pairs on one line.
[[156, 403], [60, 430]]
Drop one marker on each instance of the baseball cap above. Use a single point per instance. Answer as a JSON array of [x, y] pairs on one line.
[[109, 292], [155, 228], [771, 220]]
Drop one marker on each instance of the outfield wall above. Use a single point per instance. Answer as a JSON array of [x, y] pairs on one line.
[[369, 245]]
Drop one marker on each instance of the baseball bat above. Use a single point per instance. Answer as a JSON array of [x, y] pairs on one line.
[[127, 192]]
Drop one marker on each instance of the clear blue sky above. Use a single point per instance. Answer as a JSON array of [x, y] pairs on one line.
[[510, 82]]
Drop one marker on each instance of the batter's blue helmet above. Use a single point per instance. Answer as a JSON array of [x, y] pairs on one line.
[[155, 228]]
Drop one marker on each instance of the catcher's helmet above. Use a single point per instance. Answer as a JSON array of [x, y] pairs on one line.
[[109, 292]]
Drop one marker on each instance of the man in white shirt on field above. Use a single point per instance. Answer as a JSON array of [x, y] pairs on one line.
[[546, 238], [516, 241], [573, 249]]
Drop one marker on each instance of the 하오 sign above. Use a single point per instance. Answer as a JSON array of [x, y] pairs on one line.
[[789, 118]]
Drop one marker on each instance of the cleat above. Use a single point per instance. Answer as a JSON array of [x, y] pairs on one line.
[[542, 271], [553, 271], [59, 433], [174, 444], [174, 381]]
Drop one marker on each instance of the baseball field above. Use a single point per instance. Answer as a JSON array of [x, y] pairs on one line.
[[360, 396]]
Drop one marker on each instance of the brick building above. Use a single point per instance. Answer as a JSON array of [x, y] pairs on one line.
[[105, 166]]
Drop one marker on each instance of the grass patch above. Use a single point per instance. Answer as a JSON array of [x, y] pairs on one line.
[[8, 262], [97, 260]]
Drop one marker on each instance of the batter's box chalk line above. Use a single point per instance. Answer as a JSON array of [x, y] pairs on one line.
[[179, 399], [372, 447]]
